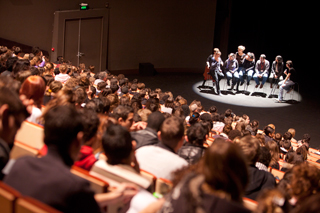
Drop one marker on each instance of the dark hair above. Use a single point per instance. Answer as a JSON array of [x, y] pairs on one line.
[[268, 130], [61, 126], [117, 144], [265, 156], [172, 130], [122, 112], [90, 124], [221, 172], [197, 134], [10, 62], [155, 120]]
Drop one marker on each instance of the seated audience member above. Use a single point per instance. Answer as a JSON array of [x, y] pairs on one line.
[[51, 173], [258, 179], [102, 77], [193, 150], [278, 138], [273, 201], [149, 135], [33, 88], [63, 77], [162, 159], [234, 134], [217, 185], [253, 127], [304, 182], [305, 140], [217, 122], [264, 159], [291, 159], [90, 127], [225, 132], [274, 151], [54, 88], [268, 134], [124, 116], [119, 149], [228, 116], [12, 114], [293, 133]]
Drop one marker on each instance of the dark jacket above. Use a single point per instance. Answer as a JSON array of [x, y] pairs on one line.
[[49, 180], [4, 156], [258, 180], [145, 137], [191, 153]]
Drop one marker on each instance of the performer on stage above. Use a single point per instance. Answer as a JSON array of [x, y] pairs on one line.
[[208, 65], [248, 68], [262, 71], [240, 55], [288, 81], [276, 70], [232, 70], [214, 63]]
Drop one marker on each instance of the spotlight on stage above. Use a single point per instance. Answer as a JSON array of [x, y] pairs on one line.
[[247, 97]]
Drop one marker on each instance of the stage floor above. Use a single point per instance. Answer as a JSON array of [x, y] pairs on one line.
[[300, 111]]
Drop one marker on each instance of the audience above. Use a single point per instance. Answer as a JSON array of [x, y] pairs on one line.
[[93, 120]]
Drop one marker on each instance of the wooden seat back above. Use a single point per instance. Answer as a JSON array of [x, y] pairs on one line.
[[96, 184], [250, 204], [20, 149], [8, 197], [29, 205], [31, 134], [277, 174], [163, 186]]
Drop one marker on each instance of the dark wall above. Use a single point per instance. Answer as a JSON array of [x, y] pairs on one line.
[[169, 34]]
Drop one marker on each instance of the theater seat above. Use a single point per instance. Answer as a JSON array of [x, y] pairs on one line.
[[8, 197], [163, 186], [277, 174], [250, 204], [29, 205], [96, 184], [31, 134], [20, 149]]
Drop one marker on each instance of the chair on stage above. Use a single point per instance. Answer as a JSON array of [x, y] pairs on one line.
[[208, 78]]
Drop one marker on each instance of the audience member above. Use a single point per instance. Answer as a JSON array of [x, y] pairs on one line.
[[258, 179], [162, 159]]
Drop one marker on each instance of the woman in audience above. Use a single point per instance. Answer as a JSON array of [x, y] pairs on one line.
[[193, 150], [305, 182], [217, 185], [33, 88], [274, 151]]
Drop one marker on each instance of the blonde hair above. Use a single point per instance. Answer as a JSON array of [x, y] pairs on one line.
[[241, 47]]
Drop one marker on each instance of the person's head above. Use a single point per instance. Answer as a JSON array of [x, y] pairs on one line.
[[249, 56], [197, 134], [292, 131], [63, 68], [84, 82], [20, 65], [233, 134], [263, 58], [63, 130], [272, 200], [231, 56], [272, 146], [10, 62], [279, 59], [155, 120], [172, 132], [55, 86], [305, 181], [251, 148], [287, 136], [241, 48], [222, 173], [289, 64], [264, 156], [269, 131], [117, 145], [90, 125], [102, 76], [124, 115], [33, 88], [12, 114]]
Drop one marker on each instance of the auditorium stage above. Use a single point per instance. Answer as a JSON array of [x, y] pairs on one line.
[[300, 110]]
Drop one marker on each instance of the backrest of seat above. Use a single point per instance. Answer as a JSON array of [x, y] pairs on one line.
[[30, 134], [163, 186], [20, 149], [250, 204], [152, 178], [30, 205], [8, 197], [96, 184], [277, 174]]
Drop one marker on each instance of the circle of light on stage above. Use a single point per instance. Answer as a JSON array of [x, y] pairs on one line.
[[247, 97]]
